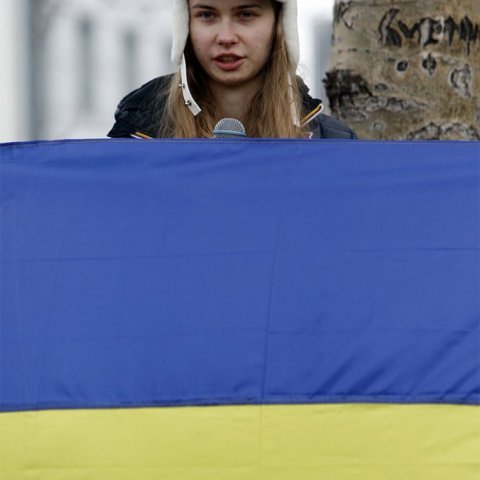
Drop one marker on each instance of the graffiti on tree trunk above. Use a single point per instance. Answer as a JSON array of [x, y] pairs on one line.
[[406, 70], [428, 31]]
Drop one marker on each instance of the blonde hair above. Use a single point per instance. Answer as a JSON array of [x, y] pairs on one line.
[[271, 111]]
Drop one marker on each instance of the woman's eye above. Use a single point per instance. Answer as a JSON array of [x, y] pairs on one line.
[[246, 15], [206, 15]]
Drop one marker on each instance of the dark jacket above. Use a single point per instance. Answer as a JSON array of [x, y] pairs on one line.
[[140, 112]]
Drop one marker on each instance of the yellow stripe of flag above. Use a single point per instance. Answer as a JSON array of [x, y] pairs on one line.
[[304, 442]]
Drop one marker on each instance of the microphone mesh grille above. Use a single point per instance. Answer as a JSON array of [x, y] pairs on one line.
[[229, 128]]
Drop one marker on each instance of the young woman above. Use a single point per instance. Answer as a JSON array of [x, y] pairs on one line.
[[237, 59]]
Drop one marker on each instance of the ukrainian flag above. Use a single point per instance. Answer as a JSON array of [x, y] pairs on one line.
[[261, 310]]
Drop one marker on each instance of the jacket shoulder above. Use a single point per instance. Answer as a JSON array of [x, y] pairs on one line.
[[322, 126], [140, 110], [325, 126]]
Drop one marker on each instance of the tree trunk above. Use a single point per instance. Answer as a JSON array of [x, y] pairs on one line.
[[406, 69]]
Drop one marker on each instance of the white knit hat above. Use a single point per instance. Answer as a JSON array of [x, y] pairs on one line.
[[181, 21]]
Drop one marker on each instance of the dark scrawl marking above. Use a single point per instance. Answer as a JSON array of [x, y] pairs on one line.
[[343, 86], [388, 35], [469, 33], [339, 11], [427, 31], [350, 93], [430, 64], [450, 28], [461, 80]]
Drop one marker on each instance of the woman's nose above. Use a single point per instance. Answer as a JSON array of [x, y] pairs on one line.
[[226, 34]]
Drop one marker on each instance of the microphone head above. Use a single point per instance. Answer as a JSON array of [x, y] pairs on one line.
[[229, 128]]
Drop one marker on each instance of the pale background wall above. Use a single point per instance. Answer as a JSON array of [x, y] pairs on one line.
[[13, 73], [65, 64]]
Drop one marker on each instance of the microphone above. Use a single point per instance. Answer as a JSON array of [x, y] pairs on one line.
[[229, 128]]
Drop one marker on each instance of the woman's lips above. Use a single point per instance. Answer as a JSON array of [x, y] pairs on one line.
[[228, 62]]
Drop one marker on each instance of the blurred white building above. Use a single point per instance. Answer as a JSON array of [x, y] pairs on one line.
[[69, 62], [74, 59]]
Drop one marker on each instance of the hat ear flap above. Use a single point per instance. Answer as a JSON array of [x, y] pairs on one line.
[[180, 27], [290, 27]]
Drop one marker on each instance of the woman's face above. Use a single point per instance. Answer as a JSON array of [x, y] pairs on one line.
[[232, 39]]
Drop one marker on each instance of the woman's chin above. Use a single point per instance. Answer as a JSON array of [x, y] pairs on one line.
[[231, 79]]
